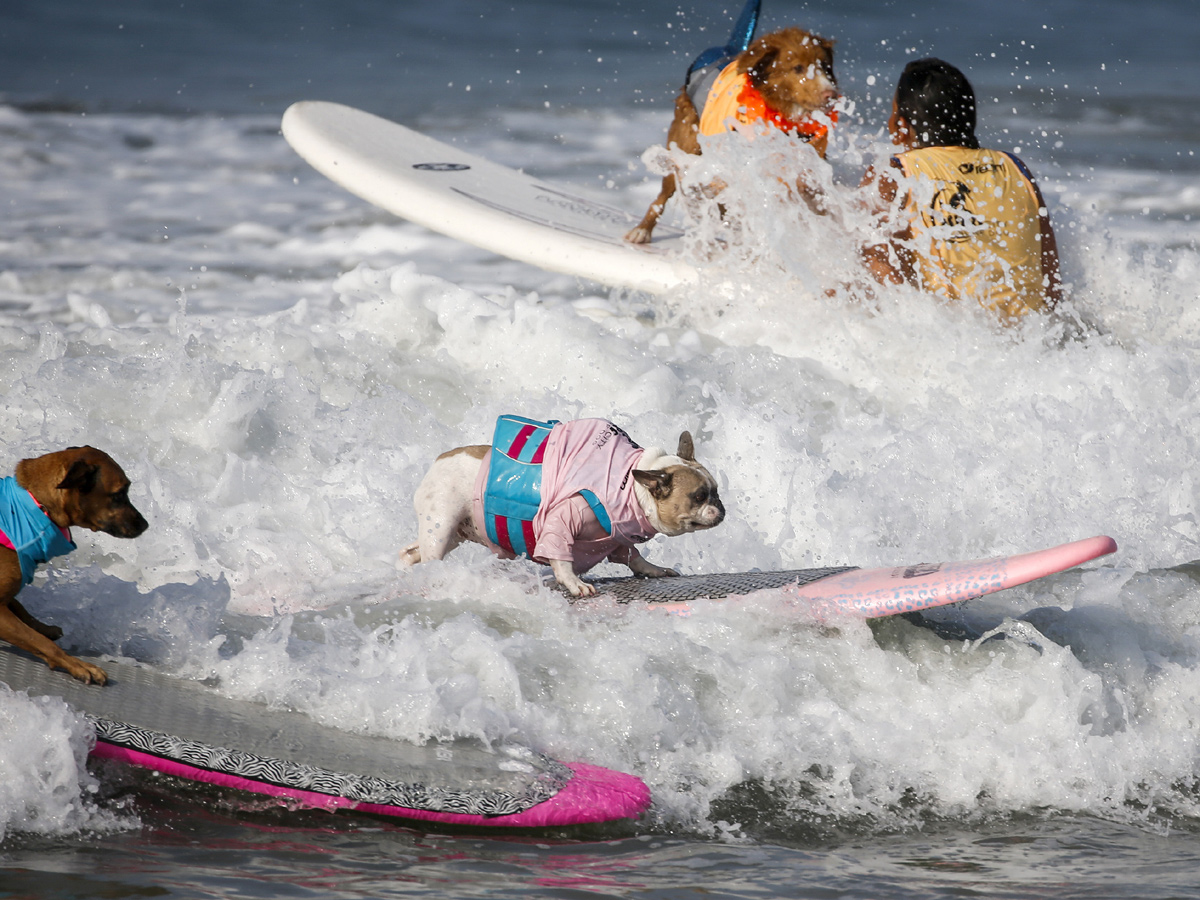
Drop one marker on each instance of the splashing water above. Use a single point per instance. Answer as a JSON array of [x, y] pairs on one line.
[[276, 365]]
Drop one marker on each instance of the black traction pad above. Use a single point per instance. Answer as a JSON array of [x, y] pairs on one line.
[[695, 587]]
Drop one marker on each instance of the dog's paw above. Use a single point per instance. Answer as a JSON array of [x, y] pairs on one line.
[[639, 235], [581, 589], [84, 671], [564, 574], [410, 555], [642, 566], [660, 572]]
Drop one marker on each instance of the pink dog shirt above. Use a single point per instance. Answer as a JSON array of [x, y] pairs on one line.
[[593, 455]]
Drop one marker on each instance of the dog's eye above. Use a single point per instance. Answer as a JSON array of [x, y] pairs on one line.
[[700, 497]]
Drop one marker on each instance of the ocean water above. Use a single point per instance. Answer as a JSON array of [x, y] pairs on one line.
[[275, 363]]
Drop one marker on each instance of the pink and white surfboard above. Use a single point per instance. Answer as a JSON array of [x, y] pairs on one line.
[[865, 593], [871, 593]]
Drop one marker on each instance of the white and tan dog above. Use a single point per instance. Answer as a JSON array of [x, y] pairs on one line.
[[597, 494]]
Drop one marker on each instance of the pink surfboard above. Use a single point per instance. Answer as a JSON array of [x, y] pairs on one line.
[[871, 593], [865, 593], [185, 729]]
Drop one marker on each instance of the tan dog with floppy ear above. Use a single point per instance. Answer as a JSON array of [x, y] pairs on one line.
[[77, 486]]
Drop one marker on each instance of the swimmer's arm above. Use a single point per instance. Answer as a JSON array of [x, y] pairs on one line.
[[878, 258], [1050, 269]]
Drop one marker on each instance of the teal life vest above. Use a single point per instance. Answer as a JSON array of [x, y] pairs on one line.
[[513, 493]]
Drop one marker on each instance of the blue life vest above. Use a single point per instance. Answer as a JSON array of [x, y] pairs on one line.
[[35, 538], [513, 493]]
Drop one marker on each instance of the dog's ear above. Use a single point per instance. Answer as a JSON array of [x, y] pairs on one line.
[[761, 68], [81, 477], [657, 482], [827, 46], [686, 449]]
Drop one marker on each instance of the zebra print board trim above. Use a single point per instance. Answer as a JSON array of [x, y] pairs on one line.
[[310, 779]]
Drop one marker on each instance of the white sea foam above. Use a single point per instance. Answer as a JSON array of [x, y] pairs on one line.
[[276, 364], [44, 785]]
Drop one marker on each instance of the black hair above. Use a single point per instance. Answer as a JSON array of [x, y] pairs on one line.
[[937, 101]]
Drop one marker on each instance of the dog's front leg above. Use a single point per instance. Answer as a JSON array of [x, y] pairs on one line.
[[639, 565], [641, 233], [53, 632], [17, 633], [564, 574], [684, 135]]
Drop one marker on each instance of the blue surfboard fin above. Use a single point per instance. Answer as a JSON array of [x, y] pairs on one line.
[[739, 40]]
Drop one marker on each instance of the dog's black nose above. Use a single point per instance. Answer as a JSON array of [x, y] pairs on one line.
[[129, 526]]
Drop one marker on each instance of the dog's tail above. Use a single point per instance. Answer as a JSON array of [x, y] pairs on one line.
[[739, 40]]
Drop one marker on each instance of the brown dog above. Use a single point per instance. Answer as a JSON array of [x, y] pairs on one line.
[[77, 486], [781, 79]]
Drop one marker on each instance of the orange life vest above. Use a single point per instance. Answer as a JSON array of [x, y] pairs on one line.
[[733, 100]]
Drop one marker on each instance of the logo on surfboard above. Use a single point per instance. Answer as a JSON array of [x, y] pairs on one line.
[[441, 167], [920, 570]]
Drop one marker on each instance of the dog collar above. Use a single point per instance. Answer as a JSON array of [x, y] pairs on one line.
[[25, 527], [755, 105]]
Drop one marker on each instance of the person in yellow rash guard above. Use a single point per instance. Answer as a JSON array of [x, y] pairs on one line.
[[968, 222]]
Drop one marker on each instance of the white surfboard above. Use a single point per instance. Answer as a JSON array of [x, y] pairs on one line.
[[480, 202]]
